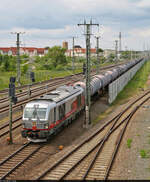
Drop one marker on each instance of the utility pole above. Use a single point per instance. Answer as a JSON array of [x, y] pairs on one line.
[[29, 80], [73, 57], [131, 54], [18, 60], [120, 42], [97, 52], [18, 56], [88, 71], [116, 48], [10, 120], [12, 99]]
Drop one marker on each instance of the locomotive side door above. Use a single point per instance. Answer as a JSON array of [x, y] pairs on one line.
[[62, 109]]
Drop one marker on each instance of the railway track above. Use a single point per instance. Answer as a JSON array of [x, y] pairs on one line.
[[17, 159], [5, 99], [20, 95], [25, 87], [94, 157], [4, 129], [45, 84]]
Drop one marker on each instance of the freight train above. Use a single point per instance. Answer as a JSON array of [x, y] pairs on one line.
[[46, 115]]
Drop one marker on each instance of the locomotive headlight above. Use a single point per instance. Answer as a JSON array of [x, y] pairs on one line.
[[46, 126]]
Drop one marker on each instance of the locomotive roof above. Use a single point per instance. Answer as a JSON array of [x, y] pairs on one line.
[[60, 93]]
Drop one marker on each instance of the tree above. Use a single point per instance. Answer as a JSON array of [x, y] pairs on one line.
[[24, 69], [100, 50], [111, 57], [6, 65], [1, 59], [125, 54], [57, 55]]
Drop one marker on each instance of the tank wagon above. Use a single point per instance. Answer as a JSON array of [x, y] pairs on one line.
[[101, 81], [46, 115]]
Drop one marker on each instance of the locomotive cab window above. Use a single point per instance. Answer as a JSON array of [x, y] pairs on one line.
[[62, 111], [35, 113]]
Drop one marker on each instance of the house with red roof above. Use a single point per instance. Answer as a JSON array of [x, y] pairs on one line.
[[80, 52], [30, 51]]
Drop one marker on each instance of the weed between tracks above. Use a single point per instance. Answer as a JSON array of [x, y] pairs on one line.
[[129, 141], [144, 153]]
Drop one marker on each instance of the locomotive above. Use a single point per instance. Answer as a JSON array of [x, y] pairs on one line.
[[47, 114]]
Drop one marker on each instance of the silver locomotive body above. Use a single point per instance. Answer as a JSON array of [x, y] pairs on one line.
[[44, 116]]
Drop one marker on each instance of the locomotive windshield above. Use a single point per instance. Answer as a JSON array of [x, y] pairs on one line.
[[35, 113]]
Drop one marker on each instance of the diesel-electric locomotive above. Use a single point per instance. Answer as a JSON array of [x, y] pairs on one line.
[[44, 116]]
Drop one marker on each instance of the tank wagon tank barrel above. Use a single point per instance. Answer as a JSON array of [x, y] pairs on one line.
[[100, 81]]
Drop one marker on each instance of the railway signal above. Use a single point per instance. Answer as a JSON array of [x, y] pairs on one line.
[[12, 99], [32, 76]]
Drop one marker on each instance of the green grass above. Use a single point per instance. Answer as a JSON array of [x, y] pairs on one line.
[[144, 154], [129, 141], [138, 83], [4, 79], [39, 76]]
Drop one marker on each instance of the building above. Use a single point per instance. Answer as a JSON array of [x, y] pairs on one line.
[[107, 52], [30, 51], [80, 52], [65, 45]]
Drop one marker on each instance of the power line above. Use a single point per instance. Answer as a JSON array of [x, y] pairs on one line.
[[73, 57]]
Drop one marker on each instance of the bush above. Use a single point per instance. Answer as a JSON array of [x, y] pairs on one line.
[[24, 69], [59, 68]]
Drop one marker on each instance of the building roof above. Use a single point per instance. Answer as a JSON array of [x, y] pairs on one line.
[[28, 49], [81, 50], [40, 50]]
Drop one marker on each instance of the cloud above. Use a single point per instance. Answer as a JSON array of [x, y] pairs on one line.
[[45, 14], [143, 4], [142, 32], [48, 22]]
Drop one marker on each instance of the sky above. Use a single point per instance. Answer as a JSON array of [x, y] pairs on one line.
[[50, 22]]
